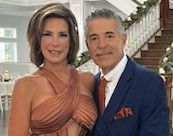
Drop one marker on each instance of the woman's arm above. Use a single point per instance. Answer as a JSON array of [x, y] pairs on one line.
[[19, 120]]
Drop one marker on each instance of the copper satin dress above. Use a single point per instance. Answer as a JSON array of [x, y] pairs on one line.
[[53, 116]]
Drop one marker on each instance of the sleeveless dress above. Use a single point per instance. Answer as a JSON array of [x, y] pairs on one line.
[[53, 116]]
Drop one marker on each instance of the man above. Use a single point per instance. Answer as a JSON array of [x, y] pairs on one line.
[[135, 101]]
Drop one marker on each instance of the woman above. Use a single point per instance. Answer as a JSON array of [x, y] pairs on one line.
[[56, 99]]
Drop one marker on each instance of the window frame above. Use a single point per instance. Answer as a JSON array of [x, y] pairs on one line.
[[10, 40]]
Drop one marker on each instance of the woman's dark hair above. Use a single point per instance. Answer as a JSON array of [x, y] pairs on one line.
[[35, 28]]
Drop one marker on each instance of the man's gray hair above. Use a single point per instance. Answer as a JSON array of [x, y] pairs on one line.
[[105, 13]]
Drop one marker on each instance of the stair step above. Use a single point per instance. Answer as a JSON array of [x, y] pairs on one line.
[[167, 27], [170, 11], [170, 21], [153, 53], [167, 38], [152, 67], [148, 60], [158, 46], [171, 16], [167, 32], [169, 24]]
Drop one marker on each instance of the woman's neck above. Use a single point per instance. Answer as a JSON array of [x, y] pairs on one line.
[[55, 67], [60, 71]]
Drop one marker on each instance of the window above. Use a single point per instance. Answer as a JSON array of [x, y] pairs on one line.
[[8, 33], [8, 45]]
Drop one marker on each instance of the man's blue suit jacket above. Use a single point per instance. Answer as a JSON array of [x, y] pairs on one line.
[[142, 92]]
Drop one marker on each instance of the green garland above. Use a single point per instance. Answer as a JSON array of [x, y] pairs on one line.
[[166, 62], [133, 17], [84, 57], [139, 13]]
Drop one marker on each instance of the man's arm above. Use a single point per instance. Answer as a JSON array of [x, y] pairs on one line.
[[154, 114]]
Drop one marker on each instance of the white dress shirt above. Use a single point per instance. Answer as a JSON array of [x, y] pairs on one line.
[[113, 77]]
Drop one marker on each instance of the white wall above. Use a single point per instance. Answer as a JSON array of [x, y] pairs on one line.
[[92, 5]]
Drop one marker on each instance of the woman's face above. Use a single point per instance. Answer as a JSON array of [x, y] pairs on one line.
[[55, 41]]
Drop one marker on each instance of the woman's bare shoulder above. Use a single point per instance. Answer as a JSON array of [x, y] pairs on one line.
[[26, 80], [87, 79], [29, 79], [87, 76], [26, 84]]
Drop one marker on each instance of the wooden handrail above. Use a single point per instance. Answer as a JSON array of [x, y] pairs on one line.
[[137, 2]]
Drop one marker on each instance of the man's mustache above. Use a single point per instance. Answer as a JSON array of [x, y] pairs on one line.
[[104, 51]]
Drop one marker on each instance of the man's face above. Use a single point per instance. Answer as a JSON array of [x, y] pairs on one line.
[[105, 43]]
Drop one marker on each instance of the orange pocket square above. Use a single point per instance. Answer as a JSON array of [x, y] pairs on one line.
[[123, 112]]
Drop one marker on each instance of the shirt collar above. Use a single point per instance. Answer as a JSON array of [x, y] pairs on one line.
[[117, 70]]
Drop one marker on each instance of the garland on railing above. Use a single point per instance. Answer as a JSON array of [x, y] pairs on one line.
[[84, 57], [141, 10], [166, 62]]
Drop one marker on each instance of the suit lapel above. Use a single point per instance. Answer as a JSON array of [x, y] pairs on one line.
[[95, 94], [119, 93]]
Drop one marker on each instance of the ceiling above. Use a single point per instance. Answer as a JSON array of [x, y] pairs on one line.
[[23, 7], [29, 2], [27, 7]]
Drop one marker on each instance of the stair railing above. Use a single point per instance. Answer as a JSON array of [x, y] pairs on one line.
[[137, 35], [141, 31]]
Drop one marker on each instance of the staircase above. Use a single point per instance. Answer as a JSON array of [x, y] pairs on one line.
[[150, 57]]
